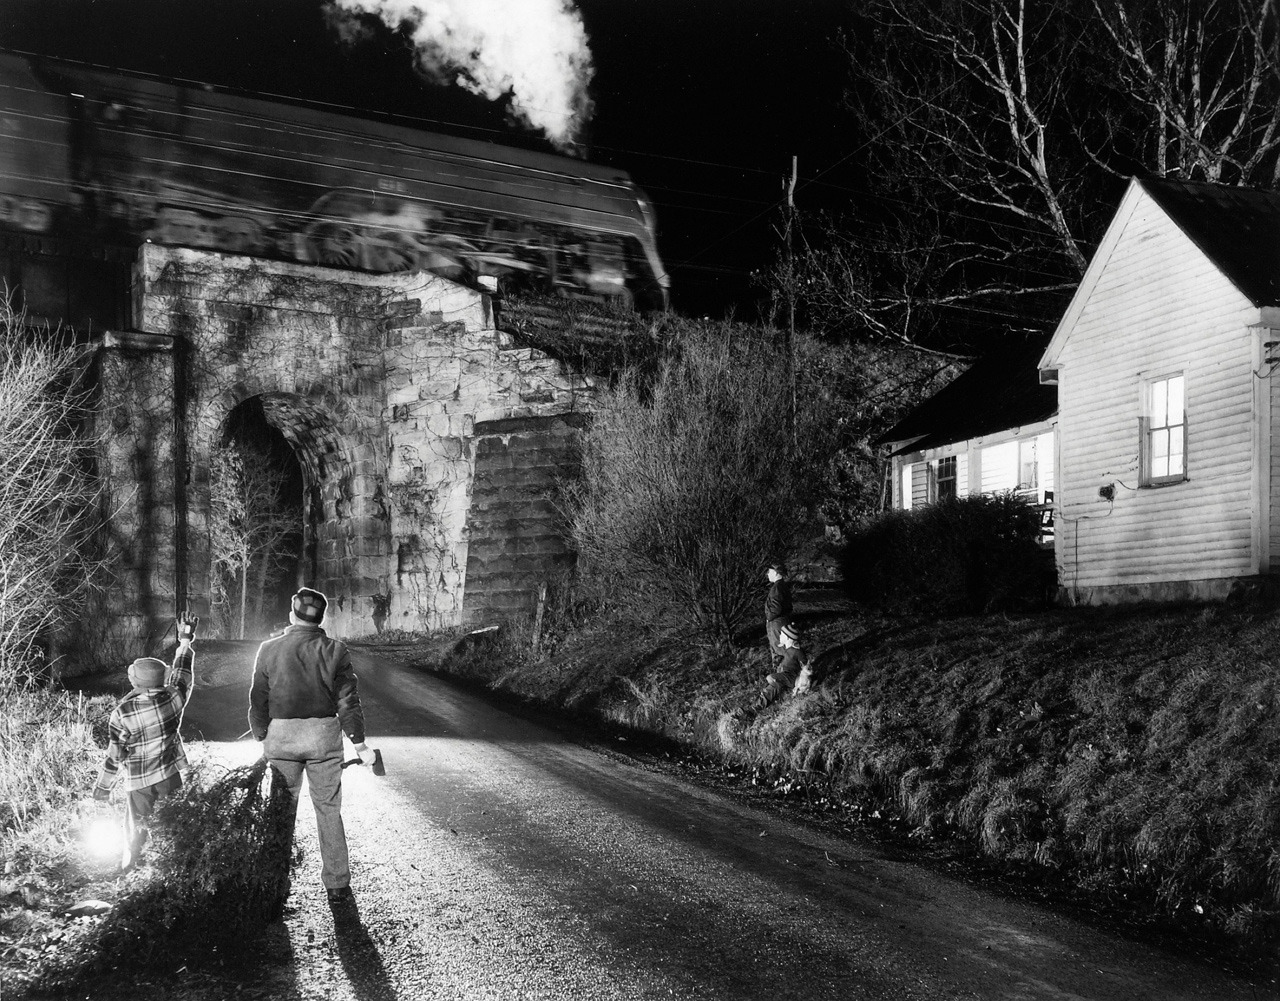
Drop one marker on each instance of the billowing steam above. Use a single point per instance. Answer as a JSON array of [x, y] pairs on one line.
[[533, 50]]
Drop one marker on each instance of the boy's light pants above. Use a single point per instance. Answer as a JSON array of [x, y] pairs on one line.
[[314, 746]]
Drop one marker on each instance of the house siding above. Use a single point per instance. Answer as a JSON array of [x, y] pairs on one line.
[[983, 465], [921, 470], [919, 484], [1269, 449], [1000, 465], [1159, 307]]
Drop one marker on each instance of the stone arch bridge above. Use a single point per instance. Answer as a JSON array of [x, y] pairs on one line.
[[430, 443]]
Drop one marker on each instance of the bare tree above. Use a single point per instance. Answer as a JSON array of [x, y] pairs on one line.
[[996, 133], [977, 110], [1202, 81], [686, 492], [48, 491], [249, 528]]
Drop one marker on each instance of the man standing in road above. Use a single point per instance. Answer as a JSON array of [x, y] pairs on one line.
[[304, 696]]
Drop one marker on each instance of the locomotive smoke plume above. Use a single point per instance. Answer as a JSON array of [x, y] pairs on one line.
[[534, 50]]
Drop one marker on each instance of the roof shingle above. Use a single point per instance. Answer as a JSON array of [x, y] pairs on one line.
[[1236, 228]]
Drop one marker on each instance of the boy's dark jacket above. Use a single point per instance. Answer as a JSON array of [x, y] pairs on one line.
[[777, 603]]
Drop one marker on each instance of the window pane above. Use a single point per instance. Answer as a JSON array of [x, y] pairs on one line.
[[1027, 478], [1176, 450], [1159, 453], [1159, 404], [946, 483], [999, 467], [1175, 400]]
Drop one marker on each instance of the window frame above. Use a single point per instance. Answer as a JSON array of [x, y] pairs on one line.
[[1147, 477], [1032, 446], [953, 464]]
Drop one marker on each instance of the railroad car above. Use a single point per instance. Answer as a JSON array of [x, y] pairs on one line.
[[92, 156]]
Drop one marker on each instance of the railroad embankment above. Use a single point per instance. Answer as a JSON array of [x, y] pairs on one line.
[[1125, 759]]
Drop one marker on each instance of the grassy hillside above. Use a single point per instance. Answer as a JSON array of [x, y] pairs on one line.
[[1131, 753]]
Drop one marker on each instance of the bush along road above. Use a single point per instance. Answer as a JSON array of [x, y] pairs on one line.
[[500, 858]]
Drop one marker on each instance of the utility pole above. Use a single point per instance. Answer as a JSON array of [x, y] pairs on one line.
[[791, 293]]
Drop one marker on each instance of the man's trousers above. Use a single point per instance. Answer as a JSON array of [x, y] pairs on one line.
[[314, 747]]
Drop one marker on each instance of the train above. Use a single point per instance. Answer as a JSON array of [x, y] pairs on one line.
[[96, 156]]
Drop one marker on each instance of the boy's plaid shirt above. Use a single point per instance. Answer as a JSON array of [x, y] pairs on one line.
[[144, 730]]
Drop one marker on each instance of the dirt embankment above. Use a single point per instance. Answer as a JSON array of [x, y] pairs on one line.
[[1125, 762]]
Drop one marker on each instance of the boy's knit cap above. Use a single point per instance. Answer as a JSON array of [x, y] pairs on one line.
[[309, 605], [147, 672], [791, 632]]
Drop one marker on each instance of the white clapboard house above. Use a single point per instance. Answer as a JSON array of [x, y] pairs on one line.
[[1167, 368], [990, 430]]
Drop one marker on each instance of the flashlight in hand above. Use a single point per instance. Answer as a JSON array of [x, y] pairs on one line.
[[187, 627]]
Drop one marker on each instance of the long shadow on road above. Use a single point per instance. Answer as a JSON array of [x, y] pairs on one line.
[[358, 954]]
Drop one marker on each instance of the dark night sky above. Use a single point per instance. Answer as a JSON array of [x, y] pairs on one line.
[[703, 101]]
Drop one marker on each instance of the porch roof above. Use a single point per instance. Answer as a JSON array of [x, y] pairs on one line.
[[998, 392]]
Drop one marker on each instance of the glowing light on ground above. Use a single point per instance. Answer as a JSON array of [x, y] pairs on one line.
[[103, 838]]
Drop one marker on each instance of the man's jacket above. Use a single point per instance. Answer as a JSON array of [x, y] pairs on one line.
[[303, 674]]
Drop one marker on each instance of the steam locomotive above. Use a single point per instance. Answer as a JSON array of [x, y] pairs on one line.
[[98, 156]]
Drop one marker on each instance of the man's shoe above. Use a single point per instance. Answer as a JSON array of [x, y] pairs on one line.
[[338, 894]]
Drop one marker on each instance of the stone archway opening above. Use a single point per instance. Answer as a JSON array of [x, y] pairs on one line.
[[339, 518], [262, 509]]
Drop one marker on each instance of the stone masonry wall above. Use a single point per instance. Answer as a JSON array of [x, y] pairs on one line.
[[516, 537], [135, 377], [379, 382], [447, 380]]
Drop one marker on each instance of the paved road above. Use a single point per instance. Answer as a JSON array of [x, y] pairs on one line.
[[496, 860]]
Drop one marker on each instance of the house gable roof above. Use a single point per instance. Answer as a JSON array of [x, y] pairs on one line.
[[1237, 229], [997, 392]]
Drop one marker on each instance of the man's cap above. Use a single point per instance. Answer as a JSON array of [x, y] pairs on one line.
[[309, 605], [147, 672]]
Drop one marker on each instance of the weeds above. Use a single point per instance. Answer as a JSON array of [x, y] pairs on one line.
[[47, 756], [222, 851]]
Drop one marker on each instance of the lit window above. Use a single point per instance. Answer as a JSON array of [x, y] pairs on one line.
[[1028, 467], [1164, 432], [945, 483]]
